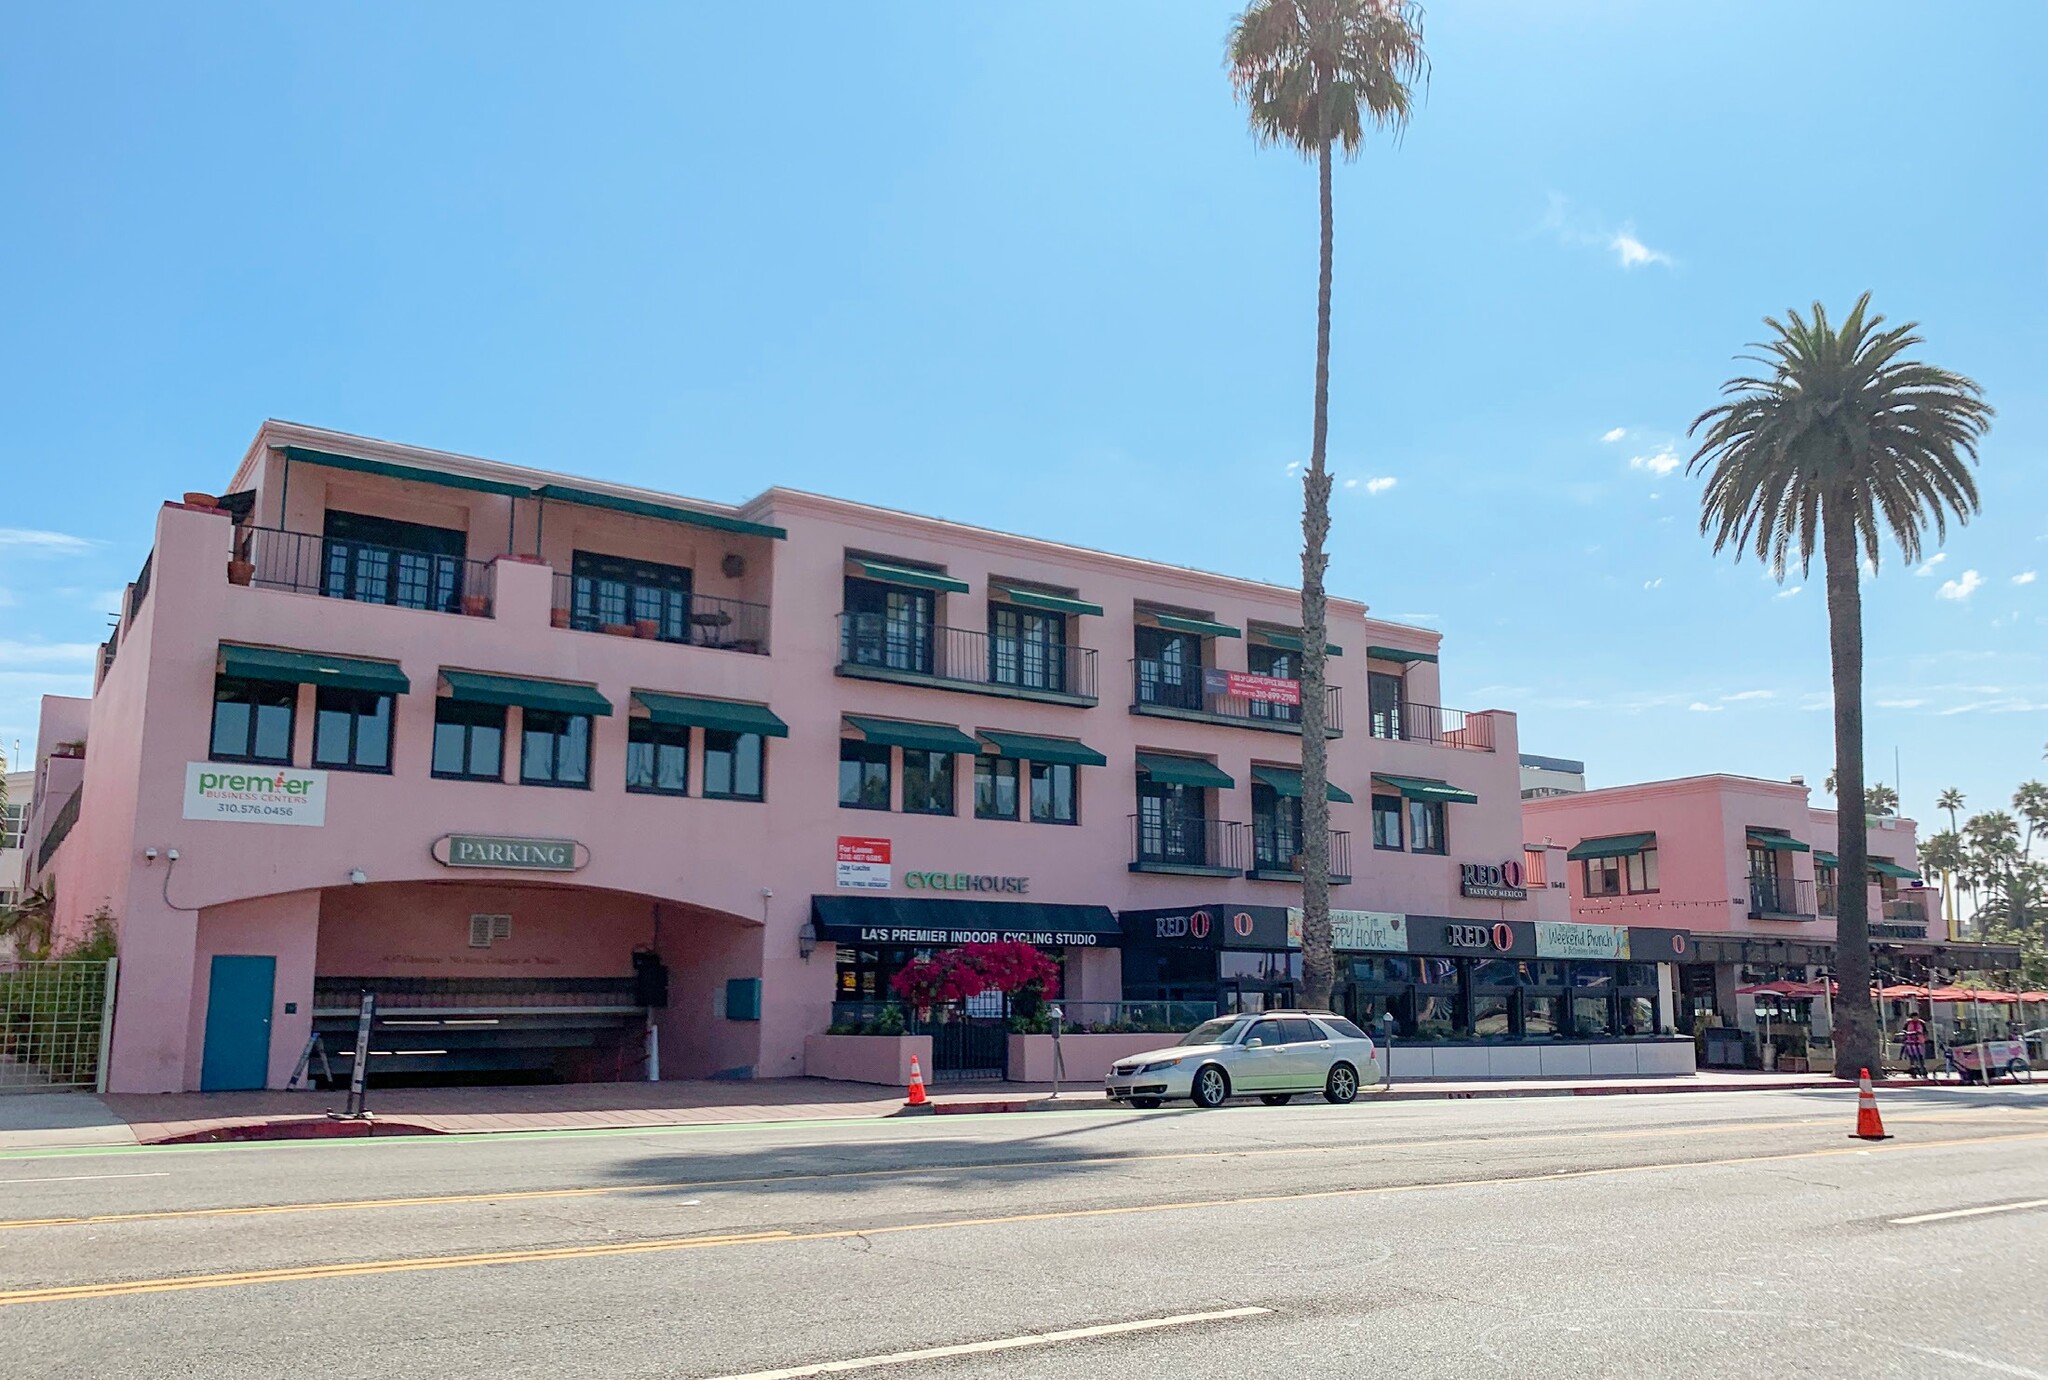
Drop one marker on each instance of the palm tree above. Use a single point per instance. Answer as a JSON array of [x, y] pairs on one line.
[[1313, 74], [1878, 799], [1950, 800], [1840, 441]]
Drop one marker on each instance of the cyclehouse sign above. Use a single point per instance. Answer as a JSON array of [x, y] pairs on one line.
[[1492, 881]]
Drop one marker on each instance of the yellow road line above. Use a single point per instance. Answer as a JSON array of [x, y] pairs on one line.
[[684, 1185], [654, 1245]]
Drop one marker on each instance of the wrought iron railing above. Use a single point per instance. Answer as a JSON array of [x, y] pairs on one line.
[[590, 604], [1277, 841], [1218, 843], [1781, 896], [1432, 723], [876, 643], [1172, 685], [59, 829], [343, 568]]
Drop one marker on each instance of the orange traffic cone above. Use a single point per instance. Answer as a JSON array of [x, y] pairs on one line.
[[1868, 1126], [917, 1097]]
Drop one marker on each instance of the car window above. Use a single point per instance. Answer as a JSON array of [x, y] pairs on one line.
[[1344, 1028], [1297, 1031], [1267, 1033]]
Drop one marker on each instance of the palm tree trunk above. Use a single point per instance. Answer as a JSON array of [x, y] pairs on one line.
[[1856, 1040], [1318, 964]]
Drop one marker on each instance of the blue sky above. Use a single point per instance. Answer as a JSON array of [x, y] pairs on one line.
[[1021, 265]]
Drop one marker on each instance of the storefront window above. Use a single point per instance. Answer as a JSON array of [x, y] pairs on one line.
[[657, 758], [351, 730], [1426, 826], [995, 787], [1386, 821], [1542, 1015], [927, 782], [863, 775], [1492, 1017], [1639, 1015], [732, 765], [252, 721], [1592, 1015], [1437, 1015], [469, 740], [554, 749], [1052, 794]]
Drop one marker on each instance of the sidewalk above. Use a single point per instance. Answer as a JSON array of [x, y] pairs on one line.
[[49, 1120]]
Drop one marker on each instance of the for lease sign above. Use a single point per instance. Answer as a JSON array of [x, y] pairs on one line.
[[255, 795], [864, 864]]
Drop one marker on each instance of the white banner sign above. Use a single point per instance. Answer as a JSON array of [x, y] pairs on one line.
[[1369, 931], [864, 864], [255, 795], [1561, 939]]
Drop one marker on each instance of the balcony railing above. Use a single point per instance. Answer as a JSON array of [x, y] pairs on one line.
[[1911, 910], [1276, 848], [879, 647], [1432, 723], [1176, 688], [1781, 898], [1825, 891], [342, 568], [664, 615], [1212, 845]]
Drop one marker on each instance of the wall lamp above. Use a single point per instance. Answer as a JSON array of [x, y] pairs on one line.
[[806, 941]]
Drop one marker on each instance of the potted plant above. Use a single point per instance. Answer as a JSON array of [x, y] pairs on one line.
[[649, 628], [558, 617], [619, 629], [476, 605]]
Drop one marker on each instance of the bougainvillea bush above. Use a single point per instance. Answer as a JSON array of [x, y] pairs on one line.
[[971, 969]]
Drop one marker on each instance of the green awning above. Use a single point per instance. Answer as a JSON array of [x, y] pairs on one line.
[[1043, 749], [1287, 781], [916, 737], [667, 512], [1885, 867], [1039, 599], [691, 711], [1821, 859], [312, 668], [1612, 846], [1175, 623], [388, 470], [1426, 788], [912, 576], [1183, 771], [1776, 843], [1291, 642], [1397, 654], [479, 688]]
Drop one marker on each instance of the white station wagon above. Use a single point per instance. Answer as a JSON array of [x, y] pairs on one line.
[[1272, 1055]]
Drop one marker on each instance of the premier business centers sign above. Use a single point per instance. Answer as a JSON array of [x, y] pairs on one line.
[[255, 795]]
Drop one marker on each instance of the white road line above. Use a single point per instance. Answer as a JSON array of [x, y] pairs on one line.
[[1001, 1344], [81, 1178], [1968, 1212]]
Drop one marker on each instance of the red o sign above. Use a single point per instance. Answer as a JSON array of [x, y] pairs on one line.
[[1198, 924], [1678, 943], [1242, 923], [1511, 873], [1503, 936]]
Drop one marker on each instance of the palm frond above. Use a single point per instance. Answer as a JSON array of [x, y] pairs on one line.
[[1311, 70]]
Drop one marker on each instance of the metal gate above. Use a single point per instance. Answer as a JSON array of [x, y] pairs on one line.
[[965, 1046], [56, 1017]]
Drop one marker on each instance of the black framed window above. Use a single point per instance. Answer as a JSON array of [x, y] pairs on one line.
[[351, 729], [1387, 699], [1603, 876], [377, 560], [1281, 664], [1426, 832], [734, 765], [617, 591], [1545, 998], [927, 782], [1172, 823], [657, 758], [1027, 648], [995, 787], [1386, 822], [1439, 1000], [888, 626], [1169, 668], [554, 749], [1276, 829], [252, 721], [469, 741], [1055, 793], [863, 775]]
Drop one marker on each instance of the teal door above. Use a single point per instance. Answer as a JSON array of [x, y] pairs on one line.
[[237, 1051]]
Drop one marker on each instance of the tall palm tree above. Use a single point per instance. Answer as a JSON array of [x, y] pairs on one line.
[[1840, 440], [1950, 800], [1313, 75]]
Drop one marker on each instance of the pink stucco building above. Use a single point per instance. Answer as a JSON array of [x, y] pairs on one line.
[[519, 751]]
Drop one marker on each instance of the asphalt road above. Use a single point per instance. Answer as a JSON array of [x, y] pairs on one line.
[[1689, 1235]]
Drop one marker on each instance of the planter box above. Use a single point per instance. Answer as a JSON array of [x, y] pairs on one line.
[[883, 1059], [1087, 1057]]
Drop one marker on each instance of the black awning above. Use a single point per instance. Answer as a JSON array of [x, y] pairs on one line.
[[926, 922]]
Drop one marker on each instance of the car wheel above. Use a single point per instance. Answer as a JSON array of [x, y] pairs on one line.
[[1212, 1085], [1342, 1084], [1144, 1104], [2016, 1068], [1276, 1099]]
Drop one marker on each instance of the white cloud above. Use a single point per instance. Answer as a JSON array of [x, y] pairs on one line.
[[1700, 707], [1900, 704], [1932, 561], [47, 543], [1788, 593], [1742, 695], [1657, 583], [1581, 231], [1379, 484], [1293, 467], [1962, 588], [20, 654], [1615, 435], [1418, 618], [2026, 577], [1632, 252], [1351, 483], [1660, 462]]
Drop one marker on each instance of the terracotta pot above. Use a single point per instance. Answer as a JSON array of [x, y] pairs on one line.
[[241, 572], [619, 629], [647, 627], [475, 605], [199, 500], [558, 617]]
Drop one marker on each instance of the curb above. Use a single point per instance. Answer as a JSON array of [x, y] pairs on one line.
[[296, 1128]]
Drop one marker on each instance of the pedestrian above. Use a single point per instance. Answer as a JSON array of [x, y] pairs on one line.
[[1913, 1039]]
